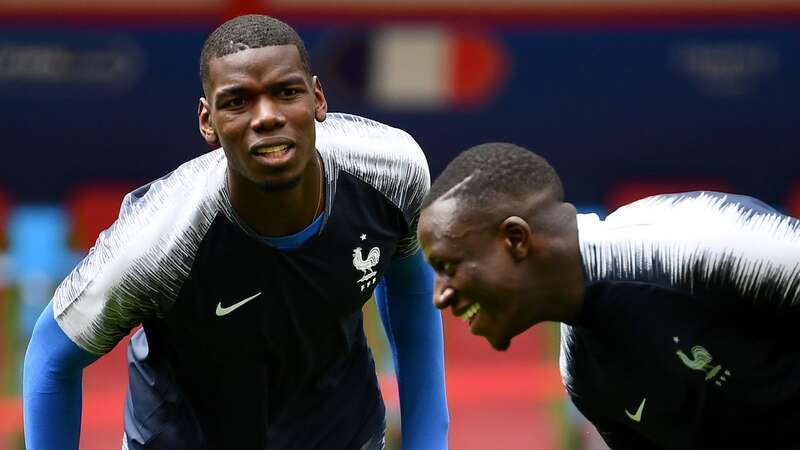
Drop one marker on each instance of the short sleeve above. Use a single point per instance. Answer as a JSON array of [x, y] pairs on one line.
[[137, 266]]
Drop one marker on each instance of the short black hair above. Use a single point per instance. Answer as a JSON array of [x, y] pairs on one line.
[[246, 32], [488, 173]]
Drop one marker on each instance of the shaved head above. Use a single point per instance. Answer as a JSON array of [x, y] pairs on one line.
[[493, 173], [247, 32]]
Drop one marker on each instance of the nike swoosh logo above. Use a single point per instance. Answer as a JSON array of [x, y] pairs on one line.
[[638, 416], [222, 311]]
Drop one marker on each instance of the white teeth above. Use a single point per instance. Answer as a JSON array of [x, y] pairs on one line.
[[273, 149], [470, 312]]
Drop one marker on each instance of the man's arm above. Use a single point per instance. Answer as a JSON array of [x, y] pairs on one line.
[[414, 328], [52, 387]]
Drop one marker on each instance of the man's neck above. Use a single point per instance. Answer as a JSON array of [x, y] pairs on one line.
[[564, 289], [279, 212], [572, 276]]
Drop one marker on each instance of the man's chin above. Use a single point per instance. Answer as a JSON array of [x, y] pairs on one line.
[[279, 185], [500, 344]]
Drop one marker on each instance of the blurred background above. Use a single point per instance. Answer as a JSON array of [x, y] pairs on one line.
[[625, 97]]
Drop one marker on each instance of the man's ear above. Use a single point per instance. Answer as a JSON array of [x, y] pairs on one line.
[[320, 103], [205, 123], [516, 235]]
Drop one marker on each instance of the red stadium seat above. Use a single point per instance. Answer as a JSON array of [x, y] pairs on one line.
[[92, 209], [7, 314], [630, 191], [793, 200]]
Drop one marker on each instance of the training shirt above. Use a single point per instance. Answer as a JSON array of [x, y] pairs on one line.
[[244, 345], [688, 337]]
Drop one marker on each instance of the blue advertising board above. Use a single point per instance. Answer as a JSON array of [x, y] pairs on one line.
[[603, 104]]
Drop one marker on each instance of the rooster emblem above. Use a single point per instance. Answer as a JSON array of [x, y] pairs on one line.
[[366, 265], [700, 360]]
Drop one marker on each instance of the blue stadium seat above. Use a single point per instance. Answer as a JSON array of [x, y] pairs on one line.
[[39, 257], [592, 208]]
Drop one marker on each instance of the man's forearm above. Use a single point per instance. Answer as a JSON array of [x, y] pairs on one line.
[[52, 387], [414, 329]]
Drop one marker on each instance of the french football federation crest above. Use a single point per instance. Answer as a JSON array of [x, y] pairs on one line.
[[365, 265]]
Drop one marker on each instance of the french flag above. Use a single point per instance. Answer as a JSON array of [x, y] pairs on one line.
[[417, 67]]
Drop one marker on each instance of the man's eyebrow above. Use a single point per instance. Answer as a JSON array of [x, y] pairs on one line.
[[294, 79], [231, 91], [236, 90]]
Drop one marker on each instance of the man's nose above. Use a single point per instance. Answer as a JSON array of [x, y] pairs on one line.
[[267, 115], [443, 294]]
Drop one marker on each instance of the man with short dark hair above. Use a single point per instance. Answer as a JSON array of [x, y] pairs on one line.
[[679, 311], [248, 268]]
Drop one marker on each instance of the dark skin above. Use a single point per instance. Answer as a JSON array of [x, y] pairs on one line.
[[262, 106], [521, 269]]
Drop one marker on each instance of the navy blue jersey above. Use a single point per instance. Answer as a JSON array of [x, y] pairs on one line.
[[688, 337], [244, 345]]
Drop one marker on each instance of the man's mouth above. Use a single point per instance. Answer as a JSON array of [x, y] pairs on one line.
[[470, 313], [272, 150]]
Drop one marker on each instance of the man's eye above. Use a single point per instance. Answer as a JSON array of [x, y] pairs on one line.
[[233, 102], [290, 92], [448, 268]]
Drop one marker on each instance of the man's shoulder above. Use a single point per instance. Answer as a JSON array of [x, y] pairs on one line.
[[697, 239], [169, 204], [385, 157], [687, 214], [139, 263], [186, 177], [363, 146], [697, 204]]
